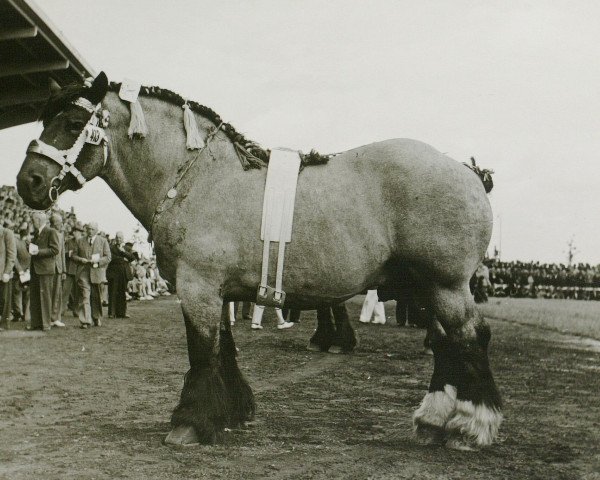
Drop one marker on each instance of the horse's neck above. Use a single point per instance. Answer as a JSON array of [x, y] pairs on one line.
[[142, 170]]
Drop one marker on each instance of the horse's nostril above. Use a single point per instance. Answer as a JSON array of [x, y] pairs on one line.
[[36, 181]]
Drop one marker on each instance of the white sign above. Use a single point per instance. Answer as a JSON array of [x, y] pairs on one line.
[[130, 90]]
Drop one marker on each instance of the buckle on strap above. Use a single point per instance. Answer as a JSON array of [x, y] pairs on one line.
[[269, 296]]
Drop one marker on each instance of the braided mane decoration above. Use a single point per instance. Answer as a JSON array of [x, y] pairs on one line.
[[484, 175], [250, 153]]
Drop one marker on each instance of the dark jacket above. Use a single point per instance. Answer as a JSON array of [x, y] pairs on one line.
[[119, 263]]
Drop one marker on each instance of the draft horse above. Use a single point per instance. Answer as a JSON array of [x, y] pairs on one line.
[[365, 219]]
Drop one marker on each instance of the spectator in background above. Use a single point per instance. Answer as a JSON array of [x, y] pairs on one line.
[[257, 316], [60, 272], [372, 305], [22, 278], [118, 274], [481, 283], [246, 306], [8, 252], [92, 257], [43, 249], [70, 289], [104, 284]]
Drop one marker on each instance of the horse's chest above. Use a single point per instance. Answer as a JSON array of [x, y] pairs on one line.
[[172, 233]]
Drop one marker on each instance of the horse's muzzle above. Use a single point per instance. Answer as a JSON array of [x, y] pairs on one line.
[[33, 188]]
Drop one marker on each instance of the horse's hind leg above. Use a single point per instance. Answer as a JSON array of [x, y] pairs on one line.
[[214, 395], [322, 339], [344, 339], [463, 404]]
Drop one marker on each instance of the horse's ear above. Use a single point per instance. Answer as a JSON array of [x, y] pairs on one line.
[[53, 87], [98, 90]]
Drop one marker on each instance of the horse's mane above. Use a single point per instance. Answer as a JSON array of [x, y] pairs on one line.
[[254, 155]]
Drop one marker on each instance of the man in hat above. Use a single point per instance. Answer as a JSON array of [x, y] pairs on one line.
[[92, 256], [8, 249], [43, 249], [71, 297]]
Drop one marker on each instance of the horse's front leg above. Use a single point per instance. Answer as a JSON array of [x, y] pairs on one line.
[[215, 395], [463, 405]]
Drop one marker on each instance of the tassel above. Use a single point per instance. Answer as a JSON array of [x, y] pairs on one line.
[[137, 125], [194, 140], [247, 159]]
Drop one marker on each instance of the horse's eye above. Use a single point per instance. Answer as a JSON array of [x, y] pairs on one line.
[[75, 126]]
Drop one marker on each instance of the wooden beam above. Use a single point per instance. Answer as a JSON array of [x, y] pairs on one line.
[[22, 68], [18, 116], [15, 33], [18, 96], [49, 32]]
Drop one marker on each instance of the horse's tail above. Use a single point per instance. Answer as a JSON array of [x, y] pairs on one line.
[[484, 175]]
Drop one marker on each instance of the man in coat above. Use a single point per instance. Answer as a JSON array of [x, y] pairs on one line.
[[20, 282], [71, 297], [56, 222], [92, 257], [43, 249], [118, 274], [8, 251]]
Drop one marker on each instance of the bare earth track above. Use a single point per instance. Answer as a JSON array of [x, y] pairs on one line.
[[95, 404]]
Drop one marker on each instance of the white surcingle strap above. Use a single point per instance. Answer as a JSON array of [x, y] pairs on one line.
[[194, 140], [278, 216]]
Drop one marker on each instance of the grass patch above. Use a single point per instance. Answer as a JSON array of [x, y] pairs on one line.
[[577, 317]]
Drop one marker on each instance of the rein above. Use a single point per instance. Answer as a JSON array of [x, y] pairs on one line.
[[91, 133]]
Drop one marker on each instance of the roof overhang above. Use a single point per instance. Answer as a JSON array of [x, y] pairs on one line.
[[33, 55]]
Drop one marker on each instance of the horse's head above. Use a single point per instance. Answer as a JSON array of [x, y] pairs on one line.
[[62, 159]]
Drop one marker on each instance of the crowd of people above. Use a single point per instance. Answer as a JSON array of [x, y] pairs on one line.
[[536, 280], [52, 263]]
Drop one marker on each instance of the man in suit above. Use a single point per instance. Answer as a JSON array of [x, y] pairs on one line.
[[70, 290], [43, 249], [56, 222], [92, 257], [20, 284], [8, 249], [118, 274]]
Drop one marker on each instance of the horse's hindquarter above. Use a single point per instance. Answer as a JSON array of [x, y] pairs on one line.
[[398, 199]]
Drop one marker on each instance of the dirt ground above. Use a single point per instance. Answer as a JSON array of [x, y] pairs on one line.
[[95, 404]]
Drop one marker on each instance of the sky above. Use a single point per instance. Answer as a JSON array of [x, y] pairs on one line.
[[513, 83]]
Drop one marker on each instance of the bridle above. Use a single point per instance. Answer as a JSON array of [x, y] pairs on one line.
[[92, 133]]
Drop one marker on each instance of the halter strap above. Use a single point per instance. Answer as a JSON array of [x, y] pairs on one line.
[[91, 133]]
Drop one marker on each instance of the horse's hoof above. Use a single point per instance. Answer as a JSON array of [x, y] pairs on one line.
[[335, 349], [429, 435], [313, 347], [182, 435], [457, 442]]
